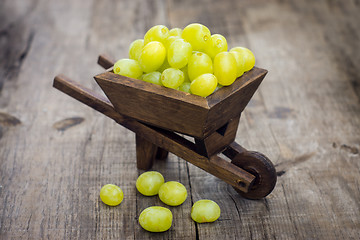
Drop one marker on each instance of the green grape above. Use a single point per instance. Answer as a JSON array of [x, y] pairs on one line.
[[240, 62], [197, 35], [135, 49], [186, 75], [185, 87], [152, 56], [216, 45], [172, 193], [149, 183], [111, 195], [225, 68], [199, 63], [175, 32], [204, 85], [156, 219], [156, 33], [172, 78], [179, 53], [164, 66], [168, 41], [204, 211], [152, 77], [128, 67], [247, 55]]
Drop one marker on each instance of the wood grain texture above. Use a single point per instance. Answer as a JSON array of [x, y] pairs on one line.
[[183, 112], [144, 102], [145, 153], [219, 139], [305, 117]]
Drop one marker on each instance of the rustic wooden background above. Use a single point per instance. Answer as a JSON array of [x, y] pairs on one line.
[[56, 153]]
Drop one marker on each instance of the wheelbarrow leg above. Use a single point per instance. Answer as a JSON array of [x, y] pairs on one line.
[[161, 154], [145, 153]]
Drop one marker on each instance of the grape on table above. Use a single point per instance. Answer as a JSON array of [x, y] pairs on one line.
[[156, 219], [149, 183], [172, 193], [204, 211], [111, 195]]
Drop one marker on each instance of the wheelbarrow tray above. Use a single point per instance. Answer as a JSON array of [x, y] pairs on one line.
[[176, 110]]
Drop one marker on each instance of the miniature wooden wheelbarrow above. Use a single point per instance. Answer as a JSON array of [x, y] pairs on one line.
[[157, 114]]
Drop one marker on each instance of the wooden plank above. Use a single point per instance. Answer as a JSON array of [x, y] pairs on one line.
[[305, 117], [144, 102], [183, 112], [306, 103], [50, 179]]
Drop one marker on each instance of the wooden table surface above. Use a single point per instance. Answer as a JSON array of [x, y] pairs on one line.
[[56, 153]]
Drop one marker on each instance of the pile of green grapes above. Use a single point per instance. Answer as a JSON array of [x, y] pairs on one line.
[[190, 59], [172, 193]]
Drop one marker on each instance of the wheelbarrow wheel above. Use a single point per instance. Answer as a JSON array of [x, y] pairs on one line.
[[262, 168]]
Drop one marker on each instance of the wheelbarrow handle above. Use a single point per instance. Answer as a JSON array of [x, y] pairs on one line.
[[233, 150], [106, 61], [85, 95]]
